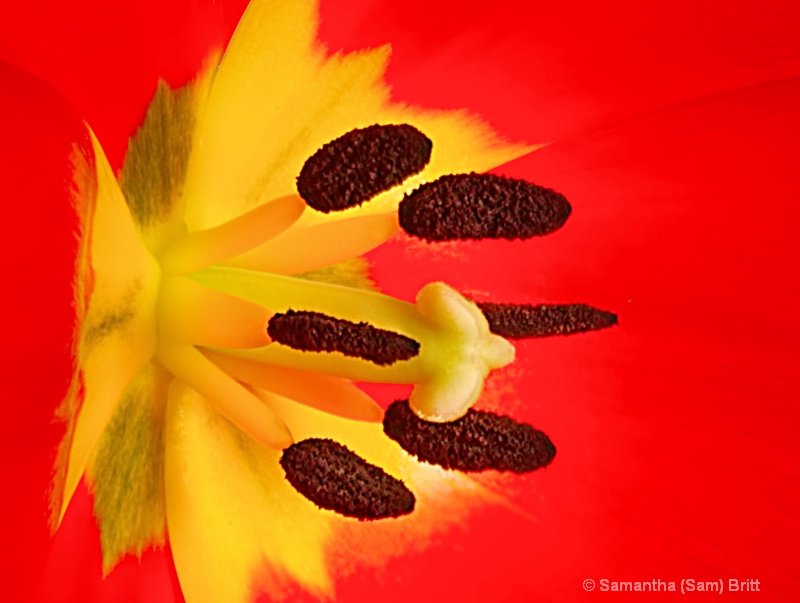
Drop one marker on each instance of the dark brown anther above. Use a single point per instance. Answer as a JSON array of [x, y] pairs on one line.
[[476, 442], [482, 206], [522, 321], [316, 332], [357, 166], [335, 478]]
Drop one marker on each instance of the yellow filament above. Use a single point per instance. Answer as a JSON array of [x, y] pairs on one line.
[[328, 394], [204, 248], [194, 314], [303, 249], [229, 397]]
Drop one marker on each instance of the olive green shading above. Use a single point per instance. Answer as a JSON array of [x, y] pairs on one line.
[[128, 475], [101, 324], [354, 272], [154, 171]]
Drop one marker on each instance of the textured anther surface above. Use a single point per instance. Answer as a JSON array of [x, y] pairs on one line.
[[525, 320], [335, 478], [481, 206], [357, 166], [478, 441], [316, 332]]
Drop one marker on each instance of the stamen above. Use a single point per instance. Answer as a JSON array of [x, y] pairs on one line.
[[335, 478], [204, 248], [230, 398], [316, 332], [521, 321], [193, 313], [482, 206], [303, 249], [329, 394], [357, 166], [478, 441]]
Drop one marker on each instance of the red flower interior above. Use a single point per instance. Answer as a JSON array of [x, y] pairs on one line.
[[673, 133]]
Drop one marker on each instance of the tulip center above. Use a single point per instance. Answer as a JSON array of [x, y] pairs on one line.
[[242, 315], [234, 319]]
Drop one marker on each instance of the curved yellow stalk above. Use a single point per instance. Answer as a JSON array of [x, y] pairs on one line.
[[323, 392], [204, 248], [300, 250], [230, 398]]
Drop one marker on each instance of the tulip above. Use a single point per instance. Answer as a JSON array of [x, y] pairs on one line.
[[663, 132]]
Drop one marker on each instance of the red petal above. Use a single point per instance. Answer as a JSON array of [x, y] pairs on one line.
[[676, 430], [540, 71], [107, 57], [72, 572], [37, 253]]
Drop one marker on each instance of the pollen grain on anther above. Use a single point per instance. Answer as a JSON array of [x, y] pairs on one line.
[[477, 441], [355, 167], [333, 477], [482, 206], [317, 332]]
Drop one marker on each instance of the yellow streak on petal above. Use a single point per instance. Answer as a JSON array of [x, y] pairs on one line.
[[329, 394], [346, 93], [230, 512], [461, 141], [269, 63], [304, 249], [118, 333]]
